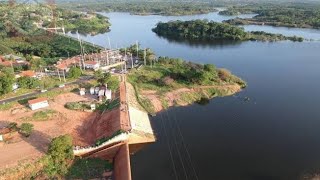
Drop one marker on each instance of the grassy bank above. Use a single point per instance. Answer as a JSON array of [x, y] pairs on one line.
[[178, 82]]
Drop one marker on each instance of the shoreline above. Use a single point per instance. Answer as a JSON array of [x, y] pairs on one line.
[[184, 96]]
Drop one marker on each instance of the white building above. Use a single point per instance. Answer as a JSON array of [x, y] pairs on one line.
[[101, 92], [91, 65], [82, 91], [38, 103], [108, 94], [92, 90]]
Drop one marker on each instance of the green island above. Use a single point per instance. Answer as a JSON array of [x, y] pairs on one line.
[[302, 15], [166, 8], [210, 30], [169, 82]]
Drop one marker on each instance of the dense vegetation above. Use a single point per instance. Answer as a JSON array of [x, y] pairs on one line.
[[6, 80], [83, 23], [144, 8], [42, 44], [170, 73], [59, 156], [210, 30], [305, 15], [26, 18]]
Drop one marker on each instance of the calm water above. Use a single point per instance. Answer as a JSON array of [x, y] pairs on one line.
[[275, 135]]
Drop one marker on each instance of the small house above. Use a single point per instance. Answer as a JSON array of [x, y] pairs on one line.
[[108, 94], [101, 92], [82, 91], [92, 91], [91, 65], [28, 74], [38, 103]]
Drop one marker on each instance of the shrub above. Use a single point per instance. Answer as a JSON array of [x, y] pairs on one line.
[[74, 72], [77, 106], [26, 129], [28, 82], [88, 168], [60, 152]]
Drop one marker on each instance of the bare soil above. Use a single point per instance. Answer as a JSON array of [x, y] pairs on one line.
[[174, 96], [31, 148]]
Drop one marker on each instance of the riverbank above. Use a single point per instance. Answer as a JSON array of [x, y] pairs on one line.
[[175, 82]]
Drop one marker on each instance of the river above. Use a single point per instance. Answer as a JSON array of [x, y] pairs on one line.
[[274, 135]]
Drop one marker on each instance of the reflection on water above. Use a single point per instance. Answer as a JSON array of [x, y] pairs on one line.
[[201, 43]]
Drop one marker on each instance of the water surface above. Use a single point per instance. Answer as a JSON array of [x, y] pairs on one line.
[[275, 135]]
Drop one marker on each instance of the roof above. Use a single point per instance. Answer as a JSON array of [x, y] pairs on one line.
[[62, 66], [91, 62], [38, 100], [28, 73]]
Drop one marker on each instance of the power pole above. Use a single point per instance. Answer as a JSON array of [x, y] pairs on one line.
[[109, 42], [131, 61], [144, 57], [137, 44], [59, 75], [64, 76]]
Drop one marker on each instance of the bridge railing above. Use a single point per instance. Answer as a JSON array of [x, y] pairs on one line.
[[78, 151]]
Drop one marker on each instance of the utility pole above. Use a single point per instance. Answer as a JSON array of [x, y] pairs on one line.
[[109, 42], [137, 44], [131, 61], [64, 76], [144, 57], [59, 75]]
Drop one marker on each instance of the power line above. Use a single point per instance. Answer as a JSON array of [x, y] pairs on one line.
[[183, 142], [176, 144], [167, 139]]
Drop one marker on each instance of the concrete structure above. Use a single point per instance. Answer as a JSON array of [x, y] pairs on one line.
[[82, 91], [108, 94], [15, 86], [136, 133], [38, 103], [92, 90], [101, 92], [93, 107]]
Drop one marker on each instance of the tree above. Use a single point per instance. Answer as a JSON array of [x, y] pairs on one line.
[[6, 80], [28, 82], [60, 153], [98, 74], [104, 78], [37, 63], [113, 83], [26, 129], [74, 72]]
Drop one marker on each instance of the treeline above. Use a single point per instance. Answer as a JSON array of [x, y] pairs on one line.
[[304, 15], [210, 30], [84, 22], [145, 8], [25, 19], [43, 44]]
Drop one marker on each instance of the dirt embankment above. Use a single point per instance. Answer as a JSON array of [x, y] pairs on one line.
[[186, 96]]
